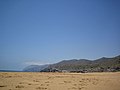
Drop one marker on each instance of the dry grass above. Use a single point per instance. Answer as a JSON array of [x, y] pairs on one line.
[[59, 81]]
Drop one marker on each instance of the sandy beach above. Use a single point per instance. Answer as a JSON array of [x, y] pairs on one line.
[[59, 81]]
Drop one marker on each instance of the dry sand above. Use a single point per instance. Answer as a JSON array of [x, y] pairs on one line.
[[59, 81]]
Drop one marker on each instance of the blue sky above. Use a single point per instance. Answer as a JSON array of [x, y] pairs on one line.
[[48, 31]]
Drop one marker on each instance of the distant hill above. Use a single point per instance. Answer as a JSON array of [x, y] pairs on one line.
[[35, 68], [82, 65]]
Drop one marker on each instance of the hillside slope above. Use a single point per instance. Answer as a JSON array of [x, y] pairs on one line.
[[74, 65], [35, 68]]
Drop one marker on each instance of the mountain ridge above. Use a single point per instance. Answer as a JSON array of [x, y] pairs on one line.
[[101, 64]]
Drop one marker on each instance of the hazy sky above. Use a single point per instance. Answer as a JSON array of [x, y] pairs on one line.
[[48, 31]]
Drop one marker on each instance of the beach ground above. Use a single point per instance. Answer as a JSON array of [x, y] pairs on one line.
[[59, 81]]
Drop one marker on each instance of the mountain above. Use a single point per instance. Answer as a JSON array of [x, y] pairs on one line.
[[70, 64], [35, 68], [74, 65]]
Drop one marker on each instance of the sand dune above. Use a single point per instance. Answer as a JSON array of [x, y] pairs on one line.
[[59, 81]]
